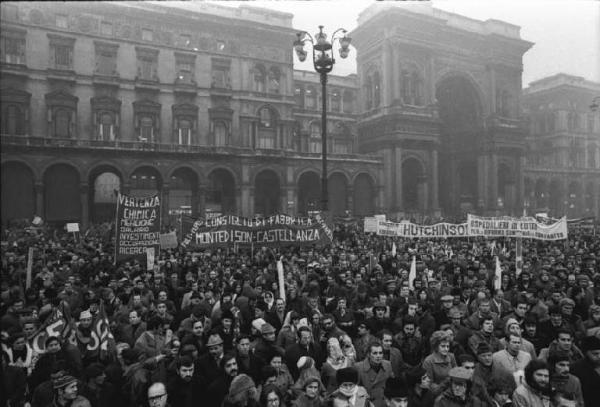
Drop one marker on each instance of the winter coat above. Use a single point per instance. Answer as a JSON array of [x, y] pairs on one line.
[[447, 399], [589, 378], [374, 381], [526, 396], [437, 367], [362, 397]]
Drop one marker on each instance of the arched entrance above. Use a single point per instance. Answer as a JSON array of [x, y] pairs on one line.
[[364, 196], [62, 200], [220, 197], [413, 186], [106, 183], [267, 193], [145, 182], [18, 193], [460, 112], [309, 192], [183, 188], [337, 190]]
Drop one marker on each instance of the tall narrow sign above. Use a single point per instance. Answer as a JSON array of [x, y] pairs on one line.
[[137, 227]]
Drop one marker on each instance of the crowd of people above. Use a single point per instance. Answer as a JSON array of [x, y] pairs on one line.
[[210, 328]]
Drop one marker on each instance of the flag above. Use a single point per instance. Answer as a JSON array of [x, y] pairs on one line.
[[519, 256], [492, 247], [105, 336], [412, 275], [57, 324], [394, 249], [280, 278], [498, 275], [37, 221]]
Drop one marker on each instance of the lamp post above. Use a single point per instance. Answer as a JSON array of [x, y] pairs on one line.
[[323, 61]]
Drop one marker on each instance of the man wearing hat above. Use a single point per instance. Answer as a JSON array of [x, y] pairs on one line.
[[459, 391], [242, 392], [65, 392], [442, 316], [265, 345], [349, 392], [587, 370], [484, 371], [395, 392], [209, 364], [573, 320], [561, 380]]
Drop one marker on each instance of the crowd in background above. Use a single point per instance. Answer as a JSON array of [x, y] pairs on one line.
[[209, 328]]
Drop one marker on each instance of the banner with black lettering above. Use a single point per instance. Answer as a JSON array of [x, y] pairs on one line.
[[525, 227], [270, 231], [412, 230], [137, 227]]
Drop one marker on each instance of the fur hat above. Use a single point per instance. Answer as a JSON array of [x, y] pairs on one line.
[[395, 387], [240, 384], [483, 348], [346, 375]]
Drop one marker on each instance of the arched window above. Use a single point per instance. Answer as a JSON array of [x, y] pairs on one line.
[[265, 118], [411, 86], [335, 100], [221, 133], [311, 98], [260, 79], [274, 80], [315, 138]]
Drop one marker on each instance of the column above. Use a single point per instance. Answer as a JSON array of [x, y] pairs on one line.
[[398, 175], [388, 179], [396, 72], [164, 194], [244, 200], [597, 200], [520, 199], [482, 170], [39, 199], [435, 204], [350, 198], [494, 180], [492, 99], [386, 80], [84, 194], [431, 83]]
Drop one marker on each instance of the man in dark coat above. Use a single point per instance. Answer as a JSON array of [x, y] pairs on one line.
[[219, 388], [587, 370], [304, 347], [209, 364], [184, 388]]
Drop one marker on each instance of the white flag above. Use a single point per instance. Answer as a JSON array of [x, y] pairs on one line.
[[394, 249], [412, 274], [498, 275], [37, 221], [280, 278]]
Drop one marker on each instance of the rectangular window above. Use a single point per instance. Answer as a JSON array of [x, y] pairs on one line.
[[147, 35], [62, 56], [13, 50], [146, 69], [184, 72], [185, 136], [106, 28], [106, 63], [62, 21], [10, 12], [220, 78], [107, 132]]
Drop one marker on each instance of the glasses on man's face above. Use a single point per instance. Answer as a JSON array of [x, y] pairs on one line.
[[152, 399]]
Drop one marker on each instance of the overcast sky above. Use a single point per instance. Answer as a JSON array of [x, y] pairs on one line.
[[566, 33]]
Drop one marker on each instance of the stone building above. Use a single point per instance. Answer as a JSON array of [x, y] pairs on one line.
[[562, 171], [439, 100], [198, 106]]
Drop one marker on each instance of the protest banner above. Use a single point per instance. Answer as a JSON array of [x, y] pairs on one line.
[[371, 225], [137, 227], [271, 231], [168, 240], [72, 227], [506, 226], [412, 230]]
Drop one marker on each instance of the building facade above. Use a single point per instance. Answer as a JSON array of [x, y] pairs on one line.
[[562, 171], [439, 100], [199, 107]]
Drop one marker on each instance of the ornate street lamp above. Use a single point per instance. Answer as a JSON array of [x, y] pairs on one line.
[[323, 61]]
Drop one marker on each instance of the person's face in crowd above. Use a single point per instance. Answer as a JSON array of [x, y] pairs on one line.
[[212, 275], [409, 330], [19, 344], [404, 291], [270, 380], [422, 295], [305, 338], [443, 348], [137, 300], [386, 342], [487, 326], [243, 347], [376, 355], [161, 308], [157, 396], [342, 304], [313, 302], [269, 337], [276, 362], [227, 322], [198, 328], [397, 402], [556, 297], [521, 310], [469, 366], [501, 397], [28, 329], [567, 309], [450, 334], [69, 392], [134, 318], [226, 299], [456, 320], [565, 341], [85, 322], [312, 390], [595, 316], [412, 310], [215, 351], [562, 368], [162, 296], [190, 350], [280, 305], [485, 358], [362, 330], [556, 319], [542, 378], [515, 329], [174, 279], [139, 284], [53, 347], [327, 324], [231, 367], [484, 308], [531, 329], [380, 313], [447, 304], [459, 388], [186, 373], [594, 357], [514, 344], [571, 279], [425, 382]]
